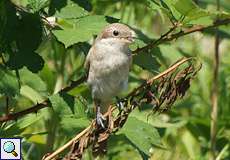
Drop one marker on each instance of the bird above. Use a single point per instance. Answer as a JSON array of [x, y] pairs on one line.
[[108, 63]]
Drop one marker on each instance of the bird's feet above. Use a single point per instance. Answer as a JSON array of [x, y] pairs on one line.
[[120, 103], [100, 120]]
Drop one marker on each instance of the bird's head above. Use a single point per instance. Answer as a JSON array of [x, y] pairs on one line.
[[117, 33]]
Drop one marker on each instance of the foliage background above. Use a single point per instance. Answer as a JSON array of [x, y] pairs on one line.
[[37, 60]]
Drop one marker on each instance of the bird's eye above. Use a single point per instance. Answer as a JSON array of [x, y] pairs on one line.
[[115, 33]]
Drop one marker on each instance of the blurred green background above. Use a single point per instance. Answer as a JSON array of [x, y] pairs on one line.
[[37, 60]]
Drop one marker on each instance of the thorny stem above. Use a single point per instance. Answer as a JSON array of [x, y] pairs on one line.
[[170, 37], [155, 42], [7, 105], [214, 98], [39, 106]]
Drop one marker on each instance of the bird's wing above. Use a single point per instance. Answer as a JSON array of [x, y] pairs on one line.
[[87, 60], [130, 59]]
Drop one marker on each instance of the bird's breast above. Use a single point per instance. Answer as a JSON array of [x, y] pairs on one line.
[[108, 73]]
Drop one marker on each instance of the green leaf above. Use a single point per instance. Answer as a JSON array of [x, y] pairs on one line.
[[71, 10], [82, 29], [147, 60], [48, 77], [121, 149], [61, 8], [31, 94], [19, 126], [21, 37], [32, 80], [165, 7], [62, 103], [66, 105], [169, 9], [153, 4], [30, 59], [143, 135], [8, 21], [184, 6], [190, 143], [37, 5], [8, 84], [72, 125], [194, 14]]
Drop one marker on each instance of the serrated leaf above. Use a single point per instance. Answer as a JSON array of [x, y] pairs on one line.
[[165, 7], [62, 103], [38, 138], [73, 124], [153, 4], [61, 7], [8, 83], [184, 6], [143, 135], [8, 21], [147, 60], [19, 126], [31, 94], [23, 35], [32, 80], [120, 146], [37, 5], [82, 29], [196, 15], [67, 105], [71, 10]]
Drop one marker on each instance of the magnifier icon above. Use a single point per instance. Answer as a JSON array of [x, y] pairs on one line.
[[9, 147]]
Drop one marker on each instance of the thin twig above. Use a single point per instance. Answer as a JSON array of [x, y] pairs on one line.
[[214, 98], [156, 42], [169, 37]]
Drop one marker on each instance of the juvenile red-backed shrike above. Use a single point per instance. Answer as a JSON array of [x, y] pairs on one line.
[[108, 63]]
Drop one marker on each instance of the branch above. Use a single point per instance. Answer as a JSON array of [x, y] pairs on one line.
[[164, 38], [35, 108], [172, 84], [169, 37]]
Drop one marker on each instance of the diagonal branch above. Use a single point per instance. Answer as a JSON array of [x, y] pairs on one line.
[[169, 37], [164, 38]]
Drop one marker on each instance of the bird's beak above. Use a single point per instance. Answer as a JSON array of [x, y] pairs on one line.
[[132, 37]]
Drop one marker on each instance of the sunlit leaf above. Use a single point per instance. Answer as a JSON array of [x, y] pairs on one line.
[[71, 10], [142, 135], [82, 29], [66, 105], [15, 129]]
